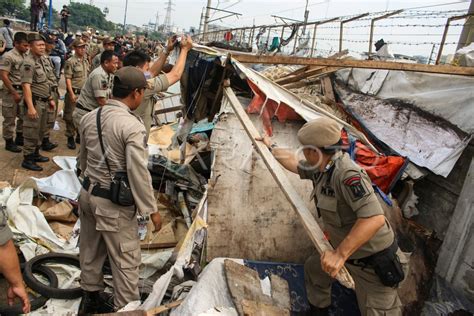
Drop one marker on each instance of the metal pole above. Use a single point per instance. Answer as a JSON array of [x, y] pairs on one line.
[[50, 18], [125, 16], [341, 30], [296, 41], [467, 33], [206, 18], [445, 33], [200, 23], [372, 24], [313, 44]]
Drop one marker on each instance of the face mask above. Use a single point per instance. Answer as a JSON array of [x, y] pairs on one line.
[[147, 75]]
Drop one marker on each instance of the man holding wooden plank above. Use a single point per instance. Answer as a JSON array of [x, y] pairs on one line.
[[362, 237]]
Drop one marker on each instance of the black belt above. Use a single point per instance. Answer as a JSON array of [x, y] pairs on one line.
[[43, 99], [17, 86], [96, 190], [79, 106], [367, 261]]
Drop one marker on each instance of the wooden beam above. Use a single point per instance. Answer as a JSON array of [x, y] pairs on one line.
[[311, 80], [163, 308], [345, 63], [328, 91], [309, 223], [300, 76]]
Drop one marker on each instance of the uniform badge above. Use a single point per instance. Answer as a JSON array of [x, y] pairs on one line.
[[354, 183], [27, 67], [104, 84]]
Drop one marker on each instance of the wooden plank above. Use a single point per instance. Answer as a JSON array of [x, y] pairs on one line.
[[163, 308], [328, 91], [312, 80], [300, 76], [346, 63], [309, 223], [252, 308]]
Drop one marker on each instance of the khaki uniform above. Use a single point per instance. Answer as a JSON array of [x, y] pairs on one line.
[[11, 62], [108, 228], [52, 112], [36, 71], [344, 193], [75, 69], [96, 61], [98, 85], [5, 231], [146, 108]]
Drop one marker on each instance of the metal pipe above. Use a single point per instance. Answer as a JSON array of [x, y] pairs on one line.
[[372, 24], [445, 33], [314, 32], [341, 30]]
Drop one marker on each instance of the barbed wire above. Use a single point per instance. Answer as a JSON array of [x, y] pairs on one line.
[[388, 42]]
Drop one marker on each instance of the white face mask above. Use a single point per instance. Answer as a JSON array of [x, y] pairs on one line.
[[147, 75]]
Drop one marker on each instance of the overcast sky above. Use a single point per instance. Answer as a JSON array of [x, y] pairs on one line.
[[187, 13]]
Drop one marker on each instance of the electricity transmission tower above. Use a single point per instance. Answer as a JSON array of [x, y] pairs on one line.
[[167, 22]]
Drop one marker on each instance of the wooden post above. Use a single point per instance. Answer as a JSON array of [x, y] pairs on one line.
[[372, 24], [345, 63], [445, 33], [341, 29], [309, 223], [296, 41]]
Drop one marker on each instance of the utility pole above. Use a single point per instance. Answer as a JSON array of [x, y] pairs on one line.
[[200, 23], [467, 33], [125, 17], [206, 18], [156, 21], [306, 15]]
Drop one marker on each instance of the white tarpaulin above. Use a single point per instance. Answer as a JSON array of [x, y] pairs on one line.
[[426, 141], [446, 96], [62, 183]]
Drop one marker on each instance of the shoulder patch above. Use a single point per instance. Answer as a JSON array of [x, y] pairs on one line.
[[104, 84], [356, 187], [27, 67]]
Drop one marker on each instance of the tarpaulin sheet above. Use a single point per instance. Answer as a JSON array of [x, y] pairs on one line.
[[446, 96], [426, 140]]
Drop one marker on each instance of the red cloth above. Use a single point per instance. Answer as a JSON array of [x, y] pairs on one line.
[[282, 112]]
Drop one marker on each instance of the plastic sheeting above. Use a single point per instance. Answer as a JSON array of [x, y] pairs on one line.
[[446, 96], [427, 141], [62, 183]]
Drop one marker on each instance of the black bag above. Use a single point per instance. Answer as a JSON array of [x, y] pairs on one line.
[[120, 191], [387, 266]]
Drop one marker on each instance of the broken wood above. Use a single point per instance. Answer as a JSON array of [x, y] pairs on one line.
[[311, 80], [309, 223], [347, 63], [328, 91], [306, 74], [163, 308]]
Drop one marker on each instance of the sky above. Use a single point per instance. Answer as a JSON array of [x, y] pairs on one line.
[[187, 13]]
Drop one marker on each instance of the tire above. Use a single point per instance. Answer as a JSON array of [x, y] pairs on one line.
[[46, 290], [37, 302]]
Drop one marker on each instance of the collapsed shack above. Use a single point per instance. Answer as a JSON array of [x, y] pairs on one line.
[[219, 200]]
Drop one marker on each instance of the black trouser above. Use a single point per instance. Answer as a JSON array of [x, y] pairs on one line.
[[64, 25], [34, 21]]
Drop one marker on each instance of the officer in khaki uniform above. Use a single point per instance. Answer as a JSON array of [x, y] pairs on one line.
[[108, 44], [35, 72], [10, 265], [75, 72], [109, 229], [12, 94], [46, 144], [97, 88], [158, 82], [353, 218]]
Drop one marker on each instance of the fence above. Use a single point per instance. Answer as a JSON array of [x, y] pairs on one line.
[[431, 32]]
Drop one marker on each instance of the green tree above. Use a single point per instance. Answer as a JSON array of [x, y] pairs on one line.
[[84, 15], [11, 7]]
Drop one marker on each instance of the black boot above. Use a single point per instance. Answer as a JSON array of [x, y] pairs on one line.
[[95, 303], [30, 163], [46, 145], [38, 157], [19, 139], [70, 143], [317, 311], [11, 146], [78, 139]]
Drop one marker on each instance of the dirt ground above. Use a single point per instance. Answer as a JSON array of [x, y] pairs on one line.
[[10, 163]]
